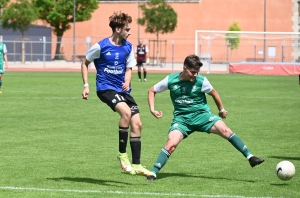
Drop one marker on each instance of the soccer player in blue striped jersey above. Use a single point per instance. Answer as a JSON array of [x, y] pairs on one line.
[[188, 91], [113, 58]]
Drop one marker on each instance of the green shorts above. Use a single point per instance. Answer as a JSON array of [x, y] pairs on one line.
[[2, 70], [187, 124]]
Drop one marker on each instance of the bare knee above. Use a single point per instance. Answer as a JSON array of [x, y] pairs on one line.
[[136, 129], [174, 138], [225, 132], [136, 125], [221, 129], [125, 118], [171, 146]]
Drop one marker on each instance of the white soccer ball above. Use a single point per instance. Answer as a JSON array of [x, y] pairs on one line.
[[285, 170]]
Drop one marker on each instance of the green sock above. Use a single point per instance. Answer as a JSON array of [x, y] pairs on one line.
[[0, 83], [161, 160], [239, 144]]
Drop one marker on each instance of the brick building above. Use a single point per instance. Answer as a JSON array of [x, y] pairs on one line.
[[251, 15]]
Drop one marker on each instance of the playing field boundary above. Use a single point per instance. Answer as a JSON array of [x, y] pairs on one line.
[[76, 67], [124, 193], [76, 70]]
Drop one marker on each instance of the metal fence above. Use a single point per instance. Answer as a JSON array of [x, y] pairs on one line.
[[36, 49], [240, 46], [212, 47]]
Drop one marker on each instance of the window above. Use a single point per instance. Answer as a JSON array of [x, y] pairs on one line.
[[271, 52]]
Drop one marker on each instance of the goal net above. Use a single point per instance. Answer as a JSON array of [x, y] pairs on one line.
[[249, 48]]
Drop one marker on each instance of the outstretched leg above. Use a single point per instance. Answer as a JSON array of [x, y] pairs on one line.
[[221, 129]]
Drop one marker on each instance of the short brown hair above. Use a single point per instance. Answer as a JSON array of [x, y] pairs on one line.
[[119, 20], [192, 61]]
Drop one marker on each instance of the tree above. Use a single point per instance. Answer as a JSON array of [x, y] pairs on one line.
[[159, 18], [233, 39], [60, 13], [3, 4], [19, 16]]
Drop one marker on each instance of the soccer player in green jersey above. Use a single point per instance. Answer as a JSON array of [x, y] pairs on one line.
[[3, 57], [188, 91]]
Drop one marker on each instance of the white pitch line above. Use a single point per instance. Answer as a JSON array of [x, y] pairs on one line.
[[140, 96], [125, 193]]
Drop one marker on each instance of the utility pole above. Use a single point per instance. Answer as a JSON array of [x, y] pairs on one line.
[[138, 24], [264, 30], [74, 30]]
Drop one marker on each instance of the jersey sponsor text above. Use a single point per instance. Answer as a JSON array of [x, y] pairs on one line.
[[113, 71]]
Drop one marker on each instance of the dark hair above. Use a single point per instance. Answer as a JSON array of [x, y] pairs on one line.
[[192, 61], [119, 20]]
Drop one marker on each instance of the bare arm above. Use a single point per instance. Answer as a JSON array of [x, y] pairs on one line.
[[215, 95], [84, 73], [151, 101], [128, 75], [5, 59]]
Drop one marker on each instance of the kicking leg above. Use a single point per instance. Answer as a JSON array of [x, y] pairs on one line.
[[221, 129]]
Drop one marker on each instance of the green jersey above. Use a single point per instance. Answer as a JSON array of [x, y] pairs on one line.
[[187, 97], [2, 51]]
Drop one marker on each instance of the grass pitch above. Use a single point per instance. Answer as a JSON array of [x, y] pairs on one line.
[[54, 144]]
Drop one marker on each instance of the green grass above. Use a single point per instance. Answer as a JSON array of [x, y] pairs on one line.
[[54, 144]]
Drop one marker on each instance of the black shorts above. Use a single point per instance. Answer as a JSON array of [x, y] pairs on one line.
[[141, 63], [112, 98]]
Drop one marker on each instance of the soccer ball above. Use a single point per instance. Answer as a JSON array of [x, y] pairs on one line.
[[285, 170]]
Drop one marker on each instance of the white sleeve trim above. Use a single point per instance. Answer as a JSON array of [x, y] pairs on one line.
[[4, 49], [206, 86], [162, 85], [146, 49], [93, 53], [131, 60]]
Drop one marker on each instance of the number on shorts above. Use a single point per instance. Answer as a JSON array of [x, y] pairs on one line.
[[119, 97]]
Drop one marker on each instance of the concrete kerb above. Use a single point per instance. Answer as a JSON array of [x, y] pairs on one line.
[[63, 66]]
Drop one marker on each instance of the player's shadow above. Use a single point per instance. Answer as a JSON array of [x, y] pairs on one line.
[[272, 184], [91, 181], [285, 158], [165, 175]]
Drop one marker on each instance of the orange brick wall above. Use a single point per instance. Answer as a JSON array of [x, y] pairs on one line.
[[205, 15]]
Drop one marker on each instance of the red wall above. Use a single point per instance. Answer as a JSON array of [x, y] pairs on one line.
[[204, 15]]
